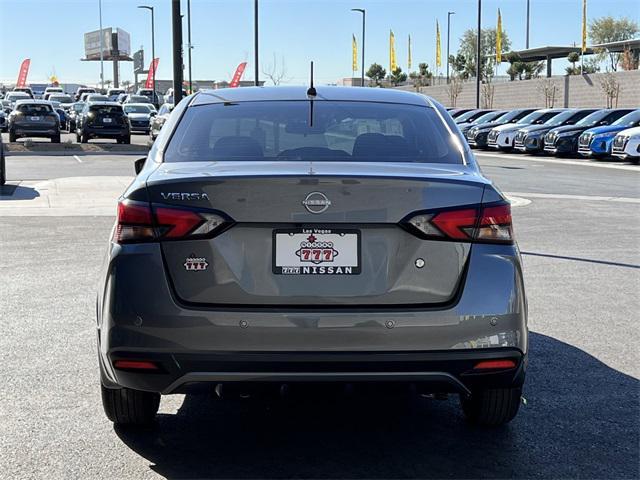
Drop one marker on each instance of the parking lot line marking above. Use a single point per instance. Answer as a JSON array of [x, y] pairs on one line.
[[562, 196], [559, 162], [77, 158]]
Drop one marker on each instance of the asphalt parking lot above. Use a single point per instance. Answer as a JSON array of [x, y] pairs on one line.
[[578, 225]]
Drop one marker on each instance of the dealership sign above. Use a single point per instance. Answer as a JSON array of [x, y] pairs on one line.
[[115, 43]]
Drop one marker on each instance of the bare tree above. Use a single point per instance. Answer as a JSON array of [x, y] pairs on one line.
[[548, 89], [454, 89], [611, 88], [276, 73]]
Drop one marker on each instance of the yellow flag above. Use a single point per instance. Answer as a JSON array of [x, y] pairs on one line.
[[584, 25], [409, 58], [354, 53], [438, 54], [392, 51], [499, 39]]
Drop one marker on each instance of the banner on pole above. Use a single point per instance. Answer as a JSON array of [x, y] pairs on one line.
[[23, 73], [235, 80], [152, 73]]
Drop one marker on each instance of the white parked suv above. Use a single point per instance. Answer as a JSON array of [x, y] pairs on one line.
[[626, 144]]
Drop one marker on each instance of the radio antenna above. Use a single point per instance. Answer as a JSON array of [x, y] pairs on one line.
[[312, 90]]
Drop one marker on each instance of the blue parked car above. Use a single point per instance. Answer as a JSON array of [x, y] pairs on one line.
[[596, 142]]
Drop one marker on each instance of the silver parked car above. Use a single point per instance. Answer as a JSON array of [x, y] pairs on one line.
[[280, 235]]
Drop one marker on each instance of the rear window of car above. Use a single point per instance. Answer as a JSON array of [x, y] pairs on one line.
[[106, 109], [137, 109], [61, 98], [318, 131], [34, 109]]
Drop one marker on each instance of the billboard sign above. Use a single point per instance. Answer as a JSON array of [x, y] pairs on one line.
[[122, 42], [138, 61], [92, 43]]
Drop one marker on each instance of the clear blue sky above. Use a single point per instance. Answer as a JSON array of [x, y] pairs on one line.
[[50, 32]]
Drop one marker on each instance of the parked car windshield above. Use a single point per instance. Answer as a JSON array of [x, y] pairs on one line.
[[34, 108], [489, 117], [537, 117], [78, 106], [629, 120], [137, 109], [466, 116], [333, 131], [138, 99], [594, 118], [560, 118]]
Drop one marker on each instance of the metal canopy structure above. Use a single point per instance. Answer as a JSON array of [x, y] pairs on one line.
[[548, 53]]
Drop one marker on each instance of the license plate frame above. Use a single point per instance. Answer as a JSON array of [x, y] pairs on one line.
[[343, 240]]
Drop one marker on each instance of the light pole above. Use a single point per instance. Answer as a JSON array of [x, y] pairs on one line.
[[101, 49], [153, 49], [479, 40], [364, 14], [448, 39], [189, 43], [176, 22], [256, 82], [527, 41]]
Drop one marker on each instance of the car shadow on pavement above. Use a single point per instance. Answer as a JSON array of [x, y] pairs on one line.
[[581, 421], [17, 192]]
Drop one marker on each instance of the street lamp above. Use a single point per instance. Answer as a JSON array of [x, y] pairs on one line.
[[362, 11], [479, 41], [153, 48], [255, 43], [448, 39], [189, 43], [527, 38], [101, 49]]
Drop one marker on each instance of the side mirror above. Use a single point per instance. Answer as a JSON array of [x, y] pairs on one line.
[[153, 114], [138, 165]]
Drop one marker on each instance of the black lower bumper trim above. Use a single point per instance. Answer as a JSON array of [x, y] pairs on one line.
[[454, 368]]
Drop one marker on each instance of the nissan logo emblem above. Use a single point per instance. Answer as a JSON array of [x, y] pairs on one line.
[[316, 202]]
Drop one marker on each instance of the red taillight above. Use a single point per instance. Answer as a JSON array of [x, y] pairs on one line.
[[142, 222], [494, 365], [175, 223], [135, 365], [495, 224], [490, 224], [458, 224], [134, 222]]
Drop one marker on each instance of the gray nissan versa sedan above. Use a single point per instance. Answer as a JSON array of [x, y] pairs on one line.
[[281, 235]]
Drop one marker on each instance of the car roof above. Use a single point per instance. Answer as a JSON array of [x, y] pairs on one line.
[[134, 104], [32, 101], [105, 102], [356, 94]]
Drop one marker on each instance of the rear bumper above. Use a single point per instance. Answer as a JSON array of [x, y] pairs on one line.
[[140, 317], [105, 132], [451, 371], [35, 131]]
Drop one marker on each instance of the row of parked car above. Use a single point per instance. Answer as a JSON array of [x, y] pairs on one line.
[[89, 115], [563, 132]]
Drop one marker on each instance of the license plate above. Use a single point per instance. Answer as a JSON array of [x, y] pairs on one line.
[[106, 120], [316, 251], [35, 119]]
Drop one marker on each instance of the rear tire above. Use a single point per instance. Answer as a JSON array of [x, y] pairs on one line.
[[84, 138], [55, 139], [125, 406], [126, 140], [493, 406], [12, 136]]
